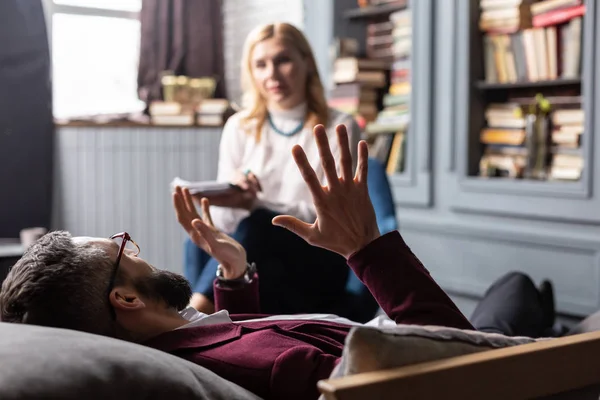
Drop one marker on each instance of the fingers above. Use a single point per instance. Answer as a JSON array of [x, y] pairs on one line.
[[198, 240], [362, 168], [254, 181], [181, 210], [206, 217], [345, 155], [241, 180], [242, 184], [307, 172], [179, 207], [248, 181], [206, 233], [327, 160], [189, 203], [178, 203], [294, 225]]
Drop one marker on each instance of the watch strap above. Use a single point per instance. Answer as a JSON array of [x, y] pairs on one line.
[[245, 279]]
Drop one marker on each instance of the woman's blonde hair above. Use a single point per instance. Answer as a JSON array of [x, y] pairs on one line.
[[316, 112]]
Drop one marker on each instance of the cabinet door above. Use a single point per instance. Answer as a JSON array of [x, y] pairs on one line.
[[413, 186], [569, 201]]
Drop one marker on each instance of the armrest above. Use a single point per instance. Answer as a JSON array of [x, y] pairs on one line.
[[526, 371]]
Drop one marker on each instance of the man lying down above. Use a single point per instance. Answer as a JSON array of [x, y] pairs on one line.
[[101, 286]]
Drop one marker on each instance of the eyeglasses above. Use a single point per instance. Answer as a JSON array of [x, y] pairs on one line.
[[127, 246]]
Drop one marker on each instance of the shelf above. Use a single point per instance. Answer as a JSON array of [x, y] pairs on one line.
[[10, 248], [482, 85], [375, 11], [524, 187], [519, 181]]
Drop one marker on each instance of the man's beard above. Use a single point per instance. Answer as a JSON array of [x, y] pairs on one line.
[[169, 287]]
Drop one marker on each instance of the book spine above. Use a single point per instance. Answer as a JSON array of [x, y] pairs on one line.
[[558, 16], [519, 52]]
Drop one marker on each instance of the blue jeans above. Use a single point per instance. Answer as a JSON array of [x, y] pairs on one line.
[[295, 277]]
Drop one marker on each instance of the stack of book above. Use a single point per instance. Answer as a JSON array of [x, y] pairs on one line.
[[527, 41], [355, 99], [208, 112], [567, 129], [504, 16], [213, 112], [503, 138], [171, 113], [369, 73], [380, 37], [395, 115], [356, 83], [380, 41], [507, 140]]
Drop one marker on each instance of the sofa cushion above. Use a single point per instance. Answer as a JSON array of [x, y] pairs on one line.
[[39, 362], [590, 324], [370, 349]]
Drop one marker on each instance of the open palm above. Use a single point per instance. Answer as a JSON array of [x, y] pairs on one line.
[[346, 219], [201, 230]]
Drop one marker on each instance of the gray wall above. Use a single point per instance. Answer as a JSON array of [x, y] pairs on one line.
[[111, 179], [474, 231], [239, 18]]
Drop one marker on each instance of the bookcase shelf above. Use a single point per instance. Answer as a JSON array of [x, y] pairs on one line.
[[374, 11], [524, 187], [482, 85], [506, 59], [412, 186], [548, 199]]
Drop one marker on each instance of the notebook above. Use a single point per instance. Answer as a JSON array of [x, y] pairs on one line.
[[204, 187]]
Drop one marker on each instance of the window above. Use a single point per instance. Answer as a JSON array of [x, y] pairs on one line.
[[95, 51]]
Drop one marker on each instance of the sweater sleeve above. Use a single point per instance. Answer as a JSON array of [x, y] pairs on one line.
[[402, 286], [297, 371], [242, 300]]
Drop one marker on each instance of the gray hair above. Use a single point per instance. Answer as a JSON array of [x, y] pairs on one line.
[[59, 283]]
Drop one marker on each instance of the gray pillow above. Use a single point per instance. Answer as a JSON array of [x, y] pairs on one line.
[[38, 362]]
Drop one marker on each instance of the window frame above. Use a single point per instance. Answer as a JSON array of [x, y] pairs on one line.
[[51, 8]]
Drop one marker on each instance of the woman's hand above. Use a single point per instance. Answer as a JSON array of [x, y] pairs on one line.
[[228, 252], [244, 197], [248, 181], [345, 216]]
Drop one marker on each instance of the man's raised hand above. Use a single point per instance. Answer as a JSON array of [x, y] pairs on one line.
[[201, 230], [345, 216]]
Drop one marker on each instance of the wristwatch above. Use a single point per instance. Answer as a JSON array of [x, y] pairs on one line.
[[245, 279]]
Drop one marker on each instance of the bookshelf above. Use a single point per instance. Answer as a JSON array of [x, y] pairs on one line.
[[412, 183], [525, 58], [470, 230], [507, 196], [483, 85]]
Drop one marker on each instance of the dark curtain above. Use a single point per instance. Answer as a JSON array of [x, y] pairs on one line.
[[26, 124], [184, 36]]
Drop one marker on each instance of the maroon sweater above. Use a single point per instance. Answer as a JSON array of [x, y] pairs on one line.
[[285, 359]]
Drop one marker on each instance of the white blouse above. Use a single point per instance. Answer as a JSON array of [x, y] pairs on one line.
[[283, 189]]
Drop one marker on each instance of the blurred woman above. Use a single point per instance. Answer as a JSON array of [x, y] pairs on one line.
[[283, 100]]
